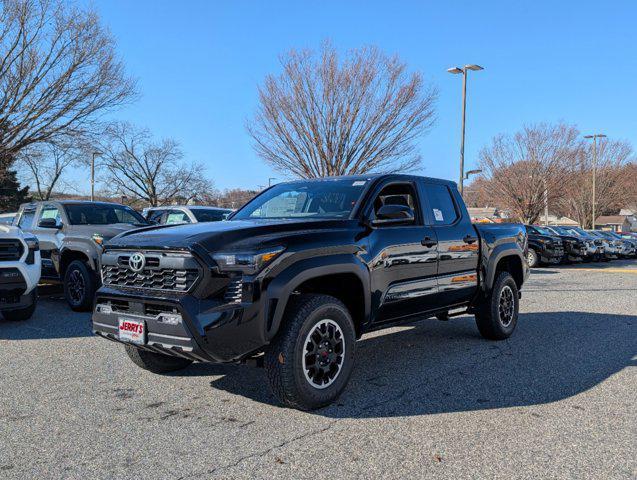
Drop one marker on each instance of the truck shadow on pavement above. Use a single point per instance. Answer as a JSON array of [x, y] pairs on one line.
[[440, 367], [52, 319]]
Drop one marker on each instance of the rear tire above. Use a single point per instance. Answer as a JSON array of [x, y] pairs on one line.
[[497, 317], [532, 258], [311, 359], [155, 362], [80, 284], [20, 314]]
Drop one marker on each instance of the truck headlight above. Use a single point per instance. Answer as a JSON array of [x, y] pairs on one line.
[[97, 238], [246, 262]]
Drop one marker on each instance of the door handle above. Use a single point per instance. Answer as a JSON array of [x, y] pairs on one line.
[[428, 242], [469, 239]]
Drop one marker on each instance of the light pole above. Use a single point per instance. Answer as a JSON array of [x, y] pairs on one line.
[[464, 70], [594, 137], [270, 181], [95, 154]]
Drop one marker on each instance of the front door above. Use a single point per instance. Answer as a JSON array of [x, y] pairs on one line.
[[403, 257], [50, 239]]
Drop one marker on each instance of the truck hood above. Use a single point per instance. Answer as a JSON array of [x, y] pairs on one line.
[[551, 238], [106, 231], [232, 234]]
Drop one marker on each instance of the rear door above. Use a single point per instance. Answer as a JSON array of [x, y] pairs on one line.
[[403, 258], [458, 246]]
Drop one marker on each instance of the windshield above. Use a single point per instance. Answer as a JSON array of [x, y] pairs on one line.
[[210, 215], [560, 230], [543, 231], [582, 233], [333, 198], [92, 214]]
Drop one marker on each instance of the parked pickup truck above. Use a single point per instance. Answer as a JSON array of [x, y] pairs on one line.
[[544, 246], [303, 270], [19, 273], [71, 234]]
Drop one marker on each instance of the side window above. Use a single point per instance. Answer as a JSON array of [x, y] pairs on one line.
[[396, 194], [26, 219], [50, 211], [176, 216], [155, 215], [443, 209]]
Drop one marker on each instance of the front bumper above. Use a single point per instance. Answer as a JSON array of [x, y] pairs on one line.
[[552, 254], [16, 291], [184, 326]]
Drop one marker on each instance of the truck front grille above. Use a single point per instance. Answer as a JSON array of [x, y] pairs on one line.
[[150, 278], [10, 250]]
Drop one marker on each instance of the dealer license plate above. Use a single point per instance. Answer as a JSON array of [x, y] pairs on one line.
[[132, 330]]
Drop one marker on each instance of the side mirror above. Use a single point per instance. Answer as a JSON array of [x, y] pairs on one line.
[[49, 223], [393, 214]]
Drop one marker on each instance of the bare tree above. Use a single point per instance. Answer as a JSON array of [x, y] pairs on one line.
[[58, 71], [235, 198], [141, 168], [44, 164], [611, 185], [324, 116], [526, 169]]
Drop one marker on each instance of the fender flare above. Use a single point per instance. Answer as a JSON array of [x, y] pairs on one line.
[[79, 247], [289, 279], [502, 251]]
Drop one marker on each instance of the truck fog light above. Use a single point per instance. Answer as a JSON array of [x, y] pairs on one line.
[[104, 308], [169, 318]]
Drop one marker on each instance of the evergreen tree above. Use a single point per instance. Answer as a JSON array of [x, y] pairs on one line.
[[11, 195]]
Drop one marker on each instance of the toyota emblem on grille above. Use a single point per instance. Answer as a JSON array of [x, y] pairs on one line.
[[137, 262]]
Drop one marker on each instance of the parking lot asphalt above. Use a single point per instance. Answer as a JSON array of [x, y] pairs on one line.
[[427, 400]]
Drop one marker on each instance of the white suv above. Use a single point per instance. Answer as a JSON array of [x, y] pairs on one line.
[[20, 267]]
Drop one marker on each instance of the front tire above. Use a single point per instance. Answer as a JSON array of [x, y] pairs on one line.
[[79, 286], [497, 317], [155, 362], [311, 359], [532, 258], [20, 314]]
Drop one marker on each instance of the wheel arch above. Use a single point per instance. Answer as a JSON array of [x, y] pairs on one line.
[[507, 259], [68, 255], [340, 276]]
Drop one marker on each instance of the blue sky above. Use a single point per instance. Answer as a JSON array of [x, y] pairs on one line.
[[199, 64]]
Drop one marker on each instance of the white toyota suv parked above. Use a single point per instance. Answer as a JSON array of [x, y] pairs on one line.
[[20, 267]]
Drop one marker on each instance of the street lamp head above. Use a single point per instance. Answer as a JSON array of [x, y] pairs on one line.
[[597, 135], [471, 172], [473, 67], [455, 70]]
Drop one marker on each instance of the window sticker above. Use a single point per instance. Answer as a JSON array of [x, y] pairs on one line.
[[438, 215], [358, 183]]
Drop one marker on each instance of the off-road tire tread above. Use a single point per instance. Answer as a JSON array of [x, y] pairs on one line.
[[91, 285], [280, 379], [486, 315]]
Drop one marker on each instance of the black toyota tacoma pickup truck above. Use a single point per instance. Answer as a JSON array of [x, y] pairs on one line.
[[294, 277]]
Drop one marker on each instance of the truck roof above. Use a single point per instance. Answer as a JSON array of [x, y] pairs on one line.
[[375, 176], [68, 202], [191, 207]]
